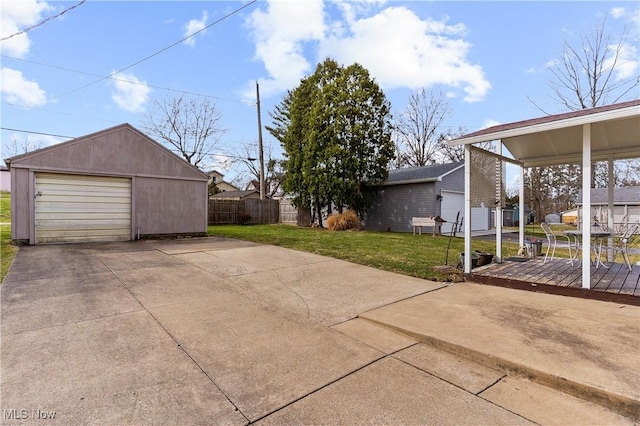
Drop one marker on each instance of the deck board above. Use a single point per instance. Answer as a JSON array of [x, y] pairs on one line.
[[615, 283]]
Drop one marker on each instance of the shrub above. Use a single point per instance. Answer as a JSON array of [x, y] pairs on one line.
[[343, 221], [244, 218]]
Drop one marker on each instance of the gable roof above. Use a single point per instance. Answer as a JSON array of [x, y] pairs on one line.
[[118, 150], [558, 139], [627, 195], [431, 173]]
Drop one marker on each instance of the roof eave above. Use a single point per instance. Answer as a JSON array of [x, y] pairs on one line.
[[487, 135], [410, 181]]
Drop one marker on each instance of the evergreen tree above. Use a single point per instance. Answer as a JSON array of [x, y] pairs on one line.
[[335, 128]]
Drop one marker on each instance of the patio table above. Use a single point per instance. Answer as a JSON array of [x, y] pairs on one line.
[[597, 236]]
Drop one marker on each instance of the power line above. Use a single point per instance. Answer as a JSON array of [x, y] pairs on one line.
[[159, 51], [169, 147], [36, 133], [42, 22], [111, 77]]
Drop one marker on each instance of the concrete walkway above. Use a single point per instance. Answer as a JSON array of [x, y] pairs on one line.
[[212, 330], [587, 348]]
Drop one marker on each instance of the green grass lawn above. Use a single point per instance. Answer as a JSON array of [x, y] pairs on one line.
[[413, 255], [5, 206], [7, 251]]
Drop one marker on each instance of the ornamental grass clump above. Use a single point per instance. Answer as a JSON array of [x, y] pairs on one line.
[[343, 221]]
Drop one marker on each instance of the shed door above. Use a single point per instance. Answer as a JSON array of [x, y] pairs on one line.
[[74, 208], [451, 204]]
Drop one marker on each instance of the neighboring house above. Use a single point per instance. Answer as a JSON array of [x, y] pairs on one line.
[[626, 205], [236, 195], [254, 185], [115, 184], [218, 178], [272, 189], [5, 179], [429, 191]]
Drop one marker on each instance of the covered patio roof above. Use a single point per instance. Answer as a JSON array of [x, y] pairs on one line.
[[604, 133], [558, 139]]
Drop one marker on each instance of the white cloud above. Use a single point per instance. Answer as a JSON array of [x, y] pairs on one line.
[[16, 16], [280, 33], [402, 50], [130, 93], [617, 12], [193, 26], [16, 88], [627, 62], [398, 48], [489, 123]]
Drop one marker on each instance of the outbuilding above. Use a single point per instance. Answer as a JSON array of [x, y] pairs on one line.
[[113, 185], [428, 191]]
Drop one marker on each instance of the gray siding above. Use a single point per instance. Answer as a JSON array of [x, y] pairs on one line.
[[454, 181], [21, 196], [395, 205], [121, 150], [169, 206]]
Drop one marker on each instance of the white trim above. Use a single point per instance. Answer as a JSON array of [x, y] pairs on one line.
[[627, 112], [586, 196], [467, 209]]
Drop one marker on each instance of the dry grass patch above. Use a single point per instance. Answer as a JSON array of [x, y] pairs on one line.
[[343, 221]]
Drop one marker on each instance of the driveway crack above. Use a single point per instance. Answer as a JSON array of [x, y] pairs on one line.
[[294, 292]]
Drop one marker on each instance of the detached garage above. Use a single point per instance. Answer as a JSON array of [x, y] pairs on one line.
[[114, 185], [435, 190]]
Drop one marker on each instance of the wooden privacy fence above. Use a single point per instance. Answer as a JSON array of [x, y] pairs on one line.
[[250, 211], [292, 215]]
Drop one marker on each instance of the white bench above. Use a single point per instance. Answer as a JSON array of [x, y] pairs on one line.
[[434, 222]]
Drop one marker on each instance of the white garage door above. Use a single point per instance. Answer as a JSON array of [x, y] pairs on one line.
[[72, 208], [452, 203]]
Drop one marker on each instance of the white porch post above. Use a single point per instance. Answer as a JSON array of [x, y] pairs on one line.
[[499, 207], [586, 204], [611, 212], [521, 208], [467, 208]]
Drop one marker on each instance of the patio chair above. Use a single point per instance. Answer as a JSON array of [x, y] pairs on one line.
[[621, 228], [623, 243], [552, 241]]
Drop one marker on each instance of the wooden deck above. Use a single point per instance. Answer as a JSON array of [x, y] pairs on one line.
[[615, 284]]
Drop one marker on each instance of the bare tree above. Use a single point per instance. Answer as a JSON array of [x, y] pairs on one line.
[[186, 125], [455, 153], [418, 129], [19, 146], [590, 74], [247, 156]]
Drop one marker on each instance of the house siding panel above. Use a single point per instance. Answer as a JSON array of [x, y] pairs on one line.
[[395, 205], [454, 181], [118, 151], [21, 196], [164, 206]]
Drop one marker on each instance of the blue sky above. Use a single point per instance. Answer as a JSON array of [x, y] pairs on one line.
[[488, 57]]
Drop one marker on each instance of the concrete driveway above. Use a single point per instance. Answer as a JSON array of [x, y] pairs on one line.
[[217, 331]]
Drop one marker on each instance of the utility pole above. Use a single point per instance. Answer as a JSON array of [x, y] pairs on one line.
[[260, 143]]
